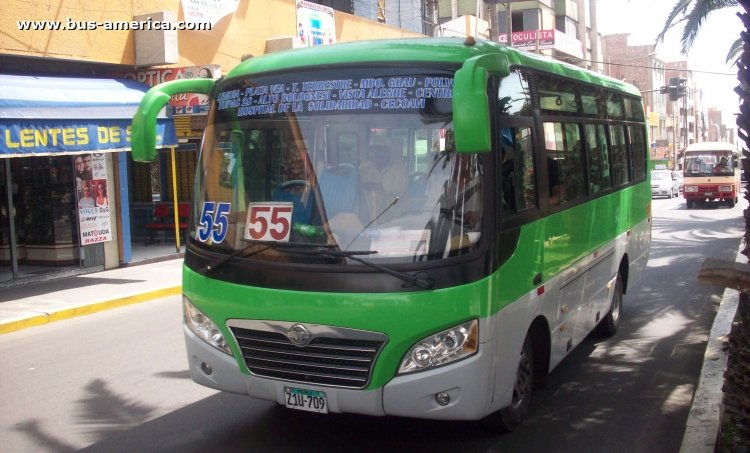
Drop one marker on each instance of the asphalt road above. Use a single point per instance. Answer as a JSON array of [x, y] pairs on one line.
[[117, 380]]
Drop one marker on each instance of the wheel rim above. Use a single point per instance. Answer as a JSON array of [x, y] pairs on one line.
[[522, 387], [616, 304]]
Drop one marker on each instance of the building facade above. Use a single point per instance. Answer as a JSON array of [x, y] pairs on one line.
[[558, 29]]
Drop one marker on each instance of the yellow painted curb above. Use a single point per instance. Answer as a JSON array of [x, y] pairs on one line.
[[46, 318]]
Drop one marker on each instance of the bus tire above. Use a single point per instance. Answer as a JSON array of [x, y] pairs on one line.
[[506, 419], [689, 203], [609, 325], [731, 202]]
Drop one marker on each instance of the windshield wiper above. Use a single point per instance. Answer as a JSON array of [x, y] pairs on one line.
[[324, 251], [414, 280], [290, 247], [217, 263]]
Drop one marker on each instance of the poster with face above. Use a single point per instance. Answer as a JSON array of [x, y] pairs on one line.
[[93, 201], [315, 24]]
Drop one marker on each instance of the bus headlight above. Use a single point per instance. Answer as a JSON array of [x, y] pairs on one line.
[[203, 327], [725, 188], [690, 188], [441, 348]]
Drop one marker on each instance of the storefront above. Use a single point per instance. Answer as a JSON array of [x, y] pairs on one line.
[[169, 180], [65, 199]]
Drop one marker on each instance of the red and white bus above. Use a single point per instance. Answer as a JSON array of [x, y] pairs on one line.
[[711, 174]]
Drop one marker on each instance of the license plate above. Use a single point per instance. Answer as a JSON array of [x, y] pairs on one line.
[[306, 400], [709, 194]]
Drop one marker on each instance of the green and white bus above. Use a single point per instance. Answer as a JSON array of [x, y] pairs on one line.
[[420, 228]]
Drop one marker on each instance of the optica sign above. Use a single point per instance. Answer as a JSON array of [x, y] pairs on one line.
[[184, 103]]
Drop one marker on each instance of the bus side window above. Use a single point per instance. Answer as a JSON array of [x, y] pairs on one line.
[[517, 169], [513, 95], [619, 155], [638, 152], [598, 155], [565, 162]]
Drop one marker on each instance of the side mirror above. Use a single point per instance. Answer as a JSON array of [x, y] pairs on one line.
[[143, 129], [471, 107]]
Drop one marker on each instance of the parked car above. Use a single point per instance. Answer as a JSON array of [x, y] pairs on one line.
[[664, 183], [678, 173]]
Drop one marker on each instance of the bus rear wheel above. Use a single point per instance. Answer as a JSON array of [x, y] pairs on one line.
[[505, 420], [609, 325]]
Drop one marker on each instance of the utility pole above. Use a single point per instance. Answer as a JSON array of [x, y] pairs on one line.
[[582, 31], [494, 28], [509, 21], [684, 107], [674, 135], [676, 90], [594, 37]]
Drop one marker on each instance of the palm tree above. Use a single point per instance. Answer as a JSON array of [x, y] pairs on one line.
[[693, 13]]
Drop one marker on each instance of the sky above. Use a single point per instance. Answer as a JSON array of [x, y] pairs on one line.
[[644, 19]]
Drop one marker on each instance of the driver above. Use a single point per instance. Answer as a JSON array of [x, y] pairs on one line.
[[384, 177]]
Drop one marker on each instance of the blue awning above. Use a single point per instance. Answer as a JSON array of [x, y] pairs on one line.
[[66, 115]]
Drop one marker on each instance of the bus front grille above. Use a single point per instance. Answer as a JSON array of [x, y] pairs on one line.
[[333, 357]]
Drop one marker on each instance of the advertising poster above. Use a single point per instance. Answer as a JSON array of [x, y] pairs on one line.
[[93, 200], [315, 24]]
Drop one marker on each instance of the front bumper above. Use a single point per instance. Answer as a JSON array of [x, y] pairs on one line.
[[661, 193], [467, 382], [708, 195]]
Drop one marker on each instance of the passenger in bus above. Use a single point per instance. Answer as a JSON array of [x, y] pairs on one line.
[[722, 166], [295, 187], [384, 177]]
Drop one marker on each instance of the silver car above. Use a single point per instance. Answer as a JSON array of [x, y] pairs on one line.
[[664, 183]]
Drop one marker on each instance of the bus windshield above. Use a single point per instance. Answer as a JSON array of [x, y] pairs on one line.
[[709, 163], [360, 160]]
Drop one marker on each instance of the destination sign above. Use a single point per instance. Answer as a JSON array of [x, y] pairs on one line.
[[376, 94]]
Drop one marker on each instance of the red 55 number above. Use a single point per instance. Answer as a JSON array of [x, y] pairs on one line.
[[269, 221]]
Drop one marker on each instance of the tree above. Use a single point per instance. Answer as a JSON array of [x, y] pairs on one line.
[[692, 13]]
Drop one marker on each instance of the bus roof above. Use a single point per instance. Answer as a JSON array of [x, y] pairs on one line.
[[710, 146], [437, 50]]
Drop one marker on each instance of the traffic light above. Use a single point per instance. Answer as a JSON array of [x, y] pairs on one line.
[[676, 88], [673, 92]]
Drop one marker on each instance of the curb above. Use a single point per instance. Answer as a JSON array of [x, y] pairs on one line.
[[704, 420], [46, 318]]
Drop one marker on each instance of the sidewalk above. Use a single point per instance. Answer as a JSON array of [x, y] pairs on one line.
[[39, 303]]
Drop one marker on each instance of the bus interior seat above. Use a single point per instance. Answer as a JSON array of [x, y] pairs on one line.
[[339, 187], [298, 192]]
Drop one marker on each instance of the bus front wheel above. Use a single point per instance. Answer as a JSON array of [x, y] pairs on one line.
[[507, 419]]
